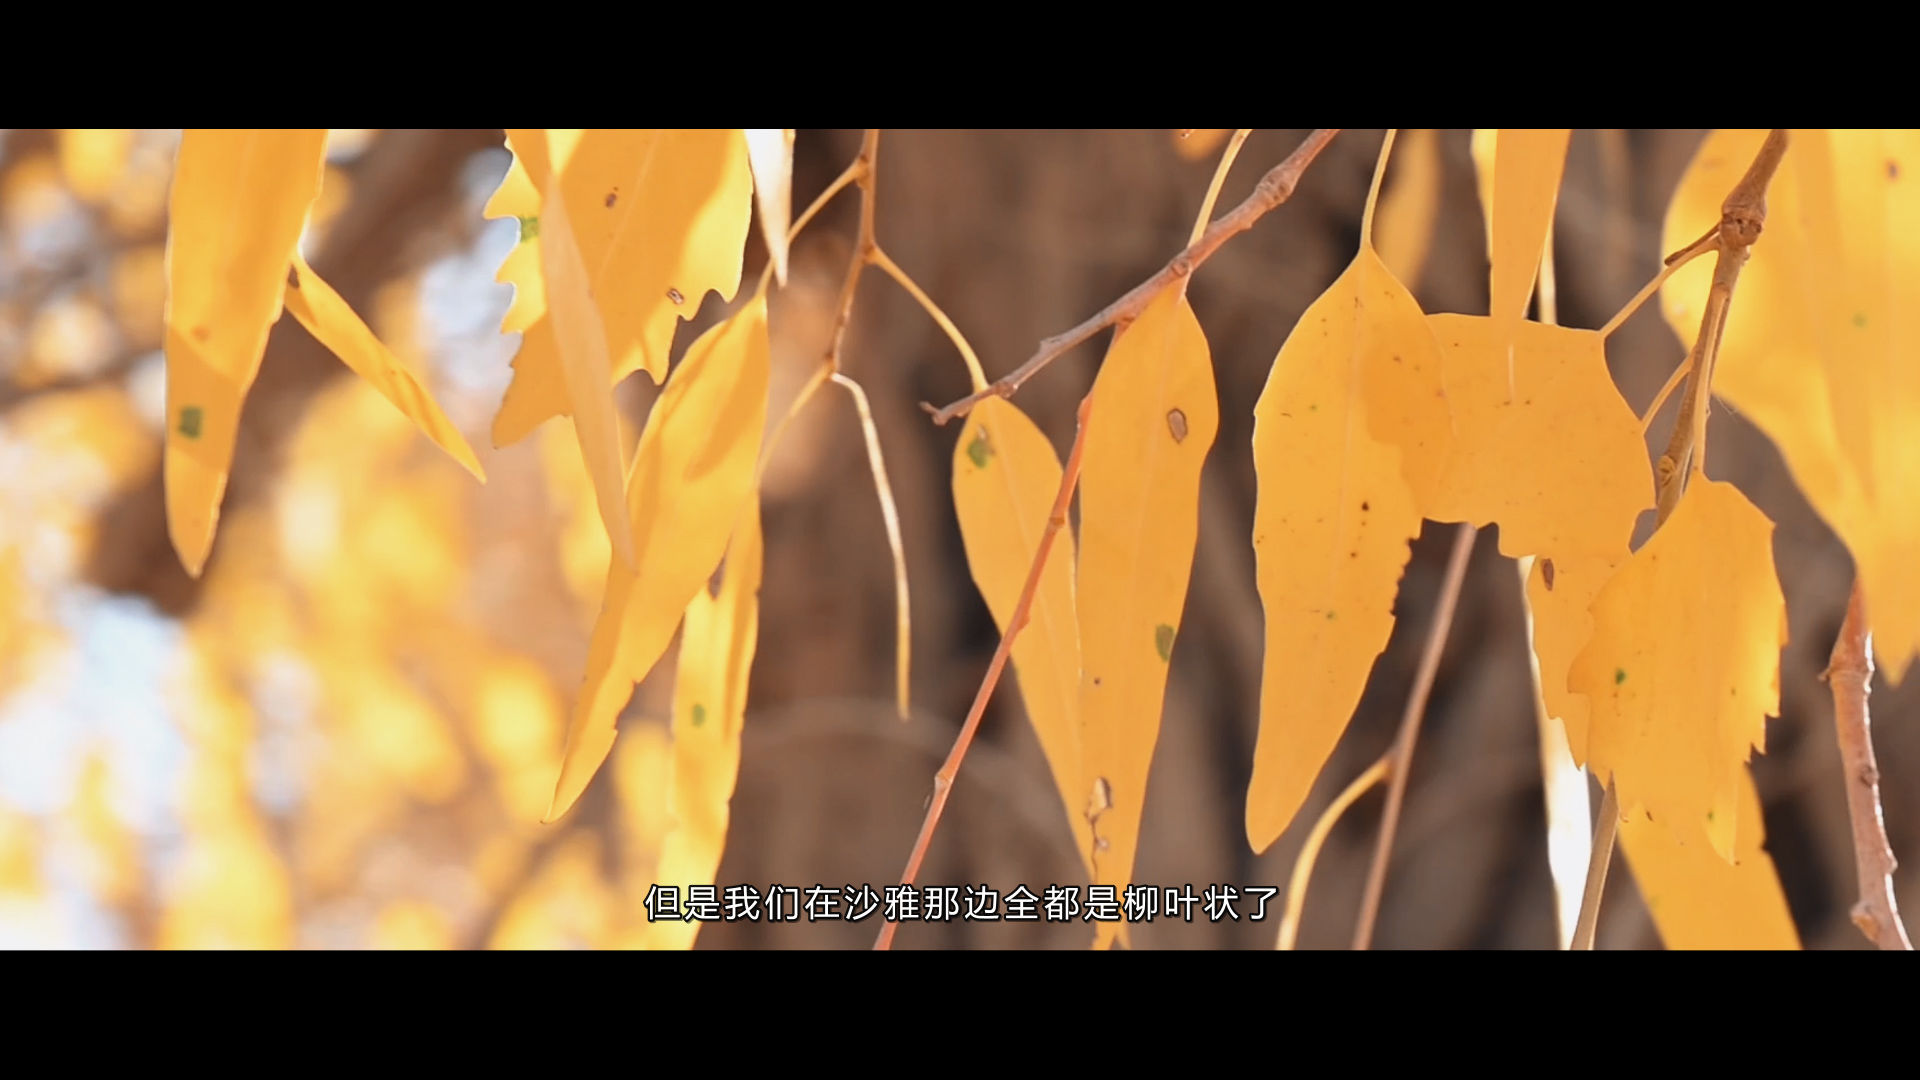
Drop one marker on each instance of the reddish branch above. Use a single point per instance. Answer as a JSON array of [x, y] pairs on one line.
[[1274, 188], [1849, 673]]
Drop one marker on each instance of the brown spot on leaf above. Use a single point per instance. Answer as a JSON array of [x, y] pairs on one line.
[[613, 197], [675, 296], [293, 277], [201, 333], [1893, 170], [1546, 573], [1177, 424]]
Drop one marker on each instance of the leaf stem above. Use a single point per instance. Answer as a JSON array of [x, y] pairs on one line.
[[1310, 851], [903, 621], [1213, 188], [1022, 612]]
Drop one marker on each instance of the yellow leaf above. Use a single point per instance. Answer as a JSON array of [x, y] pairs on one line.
[[1526, 184], [1818, 339], [1332, 520], [1560, 591], [240, 199], [1684, 666], [1005, 479], [770, 152], [691, 475], [1700, 901], [1196, 143], [1410, 207], [717, 643], [584, 362], [1561, 466], [661, 219], [1154, 417], [330, 320]]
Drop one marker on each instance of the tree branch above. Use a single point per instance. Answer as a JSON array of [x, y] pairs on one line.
[[1850, 674], [1274, 188]]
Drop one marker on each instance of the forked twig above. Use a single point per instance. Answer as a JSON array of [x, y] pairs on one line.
[[1850, 674], [1742, 216], [1274, 188], [1022, 612]]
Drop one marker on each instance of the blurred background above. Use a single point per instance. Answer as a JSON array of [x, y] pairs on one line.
[[345, 734]]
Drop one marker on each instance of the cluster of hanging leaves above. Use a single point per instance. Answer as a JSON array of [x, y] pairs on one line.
[[1662, 662]]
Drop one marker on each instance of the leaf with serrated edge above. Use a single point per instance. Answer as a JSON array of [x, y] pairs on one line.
[[1818, 338], [1684, 665], [1699, 900], [335, 324], [661, 217], [1005, 478], [691, 474], [1154, 416], [239, 202]]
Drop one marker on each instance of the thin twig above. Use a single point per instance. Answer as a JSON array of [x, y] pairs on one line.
[[1022, 612], [1310, 851], [903, 621], [1850, 674], [1402, 753], [1742, 216], [1274, 188], [862, 245]]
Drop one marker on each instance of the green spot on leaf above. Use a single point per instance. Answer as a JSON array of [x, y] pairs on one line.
[[1163, 642], [529, 228], [1860, 320], [190, 420], [699, 714], [1619, 676], [979, 451]]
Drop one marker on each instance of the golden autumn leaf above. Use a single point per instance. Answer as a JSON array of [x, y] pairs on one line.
[[717, 643], [770, 153], [1818, 339], [661, 219], [1560, 592], [1561, 465], [1332, 520], [1526, 185], [1410, 208], [574, 315], [1699, 900], [239, 201], [1684, 665], [1154, 417], [692, 473], [1005, 478], [334, 324], [1333, 514]]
